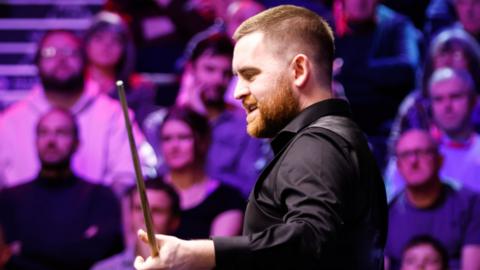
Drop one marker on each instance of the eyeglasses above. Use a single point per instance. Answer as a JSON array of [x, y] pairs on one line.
[[52, 52], [420, 153]]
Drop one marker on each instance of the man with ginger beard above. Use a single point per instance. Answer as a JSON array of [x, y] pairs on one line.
[[320, 204]]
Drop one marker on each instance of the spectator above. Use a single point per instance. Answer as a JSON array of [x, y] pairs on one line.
[[452, 99], [161, 28], [104, 155], [424, 252], [452, 48], [208, 207], [468, 12], [206, 79], [58, 220], [379, 52], [165, 209], [110, 54], [428, 206]]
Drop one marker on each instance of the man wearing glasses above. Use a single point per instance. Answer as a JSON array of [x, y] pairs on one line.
[[428, 206], [452, 98], [104, 156]]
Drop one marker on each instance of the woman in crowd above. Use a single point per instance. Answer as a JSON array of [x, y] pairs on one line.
[[208, 206], [110, 55]]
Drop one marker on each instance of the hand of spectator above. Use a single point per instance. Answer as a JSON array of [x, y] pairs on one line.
[[177, 254], [189, 94]]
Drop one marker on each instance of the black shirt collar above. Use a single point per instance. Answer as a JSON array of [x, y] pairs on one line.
[[326, 107]]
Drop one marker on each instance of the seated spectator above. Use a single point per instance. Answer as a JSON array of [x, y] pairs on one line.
[[5, 252], [464, 14], [424, 252], [379, 52], [468, 12], [110, 55], [209, 207], [428, 206], [452, 48], [59, 220], [162, 28], [104, 155], [165, 209], [440, 14], [207, 75], [453, 98]]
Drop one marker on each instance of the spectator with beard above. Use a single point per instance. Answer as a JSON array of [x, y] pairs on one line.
[[59, 220], [104, 155], [234, 157]]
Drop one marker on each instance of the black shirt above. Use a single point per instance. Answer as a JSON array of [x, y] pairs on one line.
[[60, 223], [320, 204], [197, 221]]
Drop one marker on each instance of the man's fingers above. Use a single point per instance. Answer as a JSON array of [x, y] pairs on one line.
[[142, 235], [149, 264], [160, 238], [138, 264]]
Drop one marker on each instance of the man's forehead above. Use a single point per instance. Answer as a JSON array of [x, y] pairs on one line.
[[246, 49], [56, 118], [61, 39], [414, 139]]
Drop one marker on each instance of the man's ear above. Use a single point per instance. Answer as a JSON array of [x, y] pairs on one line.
[[301, 69]]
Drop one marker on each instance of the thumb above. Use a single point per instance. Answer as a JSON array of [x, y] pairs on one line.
[[142, 235], [159, 238], [138, 264]]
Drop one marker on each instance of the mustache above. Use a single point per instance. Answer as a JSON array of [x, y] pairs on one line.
[[248, 101]]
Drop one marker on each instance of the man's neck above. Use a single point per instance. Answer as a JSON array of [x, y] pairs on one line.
[[426, 195], [56, 173], [64, 100]]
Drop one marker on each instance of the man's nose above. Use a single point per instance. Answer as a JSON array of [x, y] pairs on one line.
[[240, 91]]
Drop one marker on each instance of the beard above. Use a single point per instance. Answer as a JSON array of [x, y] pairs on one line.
[[274, 111], [213, 96], [72, 84], [59, 165]]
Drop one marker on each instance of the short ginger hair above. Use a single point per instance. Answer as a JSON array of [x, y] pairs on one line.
[[288, 25]]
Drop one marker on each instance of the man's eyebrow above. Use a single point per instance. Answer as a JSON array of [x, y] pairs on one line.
[[248, 70]]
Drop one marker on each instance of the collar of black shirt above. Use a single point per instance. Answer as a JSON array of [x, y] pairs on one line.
[[332, 106]]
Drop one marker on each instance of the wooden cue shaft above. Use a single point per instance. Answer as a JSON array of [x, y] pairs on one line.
[[138, 172]]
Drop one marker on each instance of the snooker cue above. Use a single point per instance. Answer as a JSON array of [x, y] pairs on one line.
[[138, 172]]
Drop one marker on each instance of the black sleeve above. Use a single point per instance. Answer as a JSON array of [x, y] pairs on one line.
[[312, 186]]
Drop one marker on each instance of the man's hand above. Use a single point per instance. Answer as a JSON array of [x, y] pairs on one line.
[[177, 254]]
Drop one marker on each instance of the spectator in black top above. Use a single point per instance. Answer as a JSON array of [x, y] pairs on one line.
[[209, 207], [58, 220]]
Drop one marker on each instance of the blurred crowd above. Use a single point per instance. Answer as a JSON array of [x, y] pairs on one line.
[[410, 70]]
